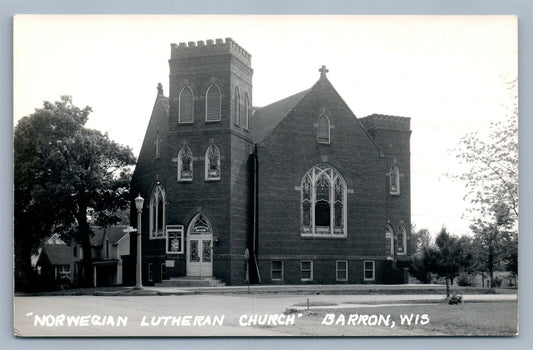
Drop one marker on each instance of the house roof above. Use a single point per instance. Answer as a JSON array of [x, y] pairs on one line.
[[114, 234], [58, 254], [265, 119]]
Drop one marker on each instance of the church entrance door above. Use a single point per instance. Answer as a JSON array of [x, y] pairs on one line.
[[200, 247]]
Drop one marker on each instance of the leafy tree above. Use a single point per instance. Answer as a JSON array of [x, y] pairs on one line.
[[495, 240], [492, 175], [62, 170], [448, 257], [421, 240]]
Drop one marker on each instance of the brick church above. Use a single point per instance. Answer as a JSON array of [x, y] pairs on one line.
[[299, 191]]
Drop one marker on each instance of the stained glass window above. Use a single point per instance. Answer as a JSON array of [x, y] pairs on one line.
[[389, 242], [212, 103], [206, 250], [185, 164], [323, 129], [157, 212], [193, 251], [394, 180], [186, 108], [200, 225], [323, 202], [212, 163], [402, 240]]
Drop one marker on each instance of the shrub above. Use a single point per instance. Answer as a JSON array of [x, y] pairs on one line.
[[465, 279], [455, 299]]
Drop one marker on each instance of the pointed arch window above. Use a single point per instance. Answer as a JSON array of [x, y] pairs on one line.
[[186, 105], [394, 179], [212, 163], [323, 129], [323, 203], [157, 213], [402, 240], [236, 107], [389, 242], [212, 103], [246, 114], [185, 164]]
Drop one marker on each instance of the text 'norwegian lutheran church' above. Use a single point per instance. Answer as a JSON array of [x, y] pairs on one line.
[[299, 191]]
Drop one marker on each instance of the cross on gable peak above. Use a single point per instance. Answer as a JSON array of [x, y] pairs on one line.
[[323, 70]]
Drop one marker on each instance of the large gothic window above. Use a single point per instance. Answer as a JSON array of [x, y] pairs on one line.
[[394, 179], [236, 107], [212, 103], [389, 242], [157, 213], [185, 164], [402, 240], [212, 163], [246, 114], [323, 129], [186, 108], [323, 202]]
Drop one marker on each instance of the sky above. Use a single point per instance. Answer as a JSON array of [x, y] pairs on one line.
[[449, 74]]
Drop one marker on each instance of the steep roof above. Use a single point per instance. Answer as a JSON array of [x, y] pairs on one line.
[[114, 234], [265, 119], [59, 254]]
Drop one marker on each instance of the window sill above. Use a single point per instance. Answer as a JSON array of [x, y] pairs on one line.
[[395, 194], [323, 236], [161, 237], [185, 180], [213, 121], [212, 180], [185, 123]]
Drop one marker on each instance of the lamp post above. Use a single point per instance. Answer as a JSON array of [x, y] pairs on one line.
[[139, 205]]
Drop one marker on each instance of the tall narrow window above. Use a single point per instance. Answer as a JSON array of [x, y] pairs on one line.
[[323, 203], [157, 145], [394, 179], [236, 107], [323, 129], [212, 103], [246, 113], [186, 108], [402, 240], [389, 242], [212, 163], [157, 213], [185, 164]]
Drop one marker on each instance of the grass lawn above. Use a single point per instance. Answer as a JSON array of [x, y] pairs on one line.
[[476, 319]]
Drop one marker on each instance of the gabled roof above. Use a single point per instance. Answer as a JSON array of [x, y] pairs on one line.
[[265, 119], [114, 234], [58, 254]]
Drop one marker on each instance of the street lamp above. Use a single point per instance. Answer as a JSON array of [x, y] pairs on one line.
[[139, 205]]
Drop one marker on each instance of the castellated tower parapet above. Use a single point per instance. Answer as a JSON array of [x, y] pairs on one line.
[[208, 48]]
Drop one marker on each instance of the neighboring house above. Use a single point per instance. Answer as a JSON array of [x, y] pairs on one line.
[[55, 264], [299, 191], [109, 247]]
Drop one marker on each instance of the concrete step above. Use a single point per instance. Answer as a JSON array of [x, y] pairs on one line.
[[183, 282]]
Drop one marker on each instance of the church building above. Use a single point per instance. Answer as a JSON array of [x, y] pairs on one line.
[[299, 191]]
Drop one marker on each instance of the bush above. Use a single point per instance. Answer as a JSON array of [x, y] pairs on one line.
[[455, 299], [465, 280]]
